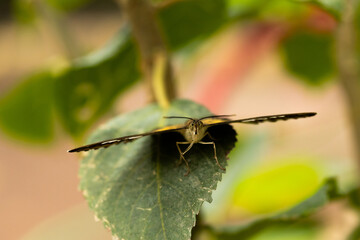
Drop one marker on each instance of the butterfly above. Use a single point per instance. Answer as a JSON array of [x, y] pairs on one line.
[[194, 130]]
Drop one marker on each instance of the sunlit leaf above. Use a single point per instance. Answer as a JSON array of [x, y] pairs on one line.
[[26, 111], [137, 190], [282, 186], [263, 9], [320, 198]]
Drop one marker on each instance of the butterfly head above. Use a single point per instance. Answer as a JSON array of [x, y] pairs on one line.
[[194, 130], [194, 126]]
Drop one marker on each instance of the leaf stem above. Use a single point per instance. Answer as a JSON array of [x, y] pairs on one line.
[[348, 65], [158, 81], [154, 57]]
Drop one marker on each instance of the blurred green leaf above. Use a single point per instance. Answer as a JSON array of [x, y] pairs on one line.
[[26, 111], [88, 88], [280, 9], [355, 235], [309, 56], [67, 5], [299, 231], [334, 7], [324, 195], [264, 9], [137, 190], [24, 11], [241, 7], [357, 28], [286, 185], [186, 21], [354, 197]]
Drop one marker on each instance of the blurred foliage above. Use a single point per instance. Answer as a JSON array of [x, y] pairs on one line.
[[310, 56], [282, 187], [265, 10], [286, 231], [355, 235], [354, 198], [26, 112], [87, 88], [326, 193], [24, 11], [186, 21], [334, 7], [67, 5], [357, 28]]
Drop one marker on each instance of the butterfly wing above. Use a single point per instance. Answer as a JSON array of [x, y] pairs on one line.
[[255, 120], [125, 139]]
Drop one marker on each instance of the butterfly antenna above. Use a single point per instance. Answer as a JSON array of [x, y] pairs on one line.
[[178, 117], [217, 116]]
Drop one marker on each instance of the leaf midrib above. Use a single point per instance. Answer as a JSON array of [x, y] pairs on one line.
[[158, 182]]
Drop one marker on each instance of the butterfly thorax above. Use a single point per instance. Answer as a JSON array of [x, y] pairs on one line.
[[194, 131]]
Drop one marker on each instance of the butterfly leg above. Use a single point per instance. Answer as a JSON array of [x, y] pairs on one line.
[[211, 137], [215, 156], [182, 155]]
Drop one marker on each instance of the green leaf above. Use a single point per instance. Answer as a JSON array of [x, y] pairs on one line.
[[67, 5], [324, 195], [287, 183], [309, 56], [26, 111], [137, 190], [357, 28], [87, 89], [300, 231], [24, 11], [355, 235], [334, 7], [266, 10], [186, 21]]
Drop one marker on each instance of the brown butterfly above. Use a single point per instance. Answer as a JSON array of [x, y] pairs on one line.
[[194, 130]]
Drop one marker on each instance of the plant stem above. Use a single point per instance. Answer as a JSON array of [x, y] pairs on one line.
[[142, 17], [349, 67]]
